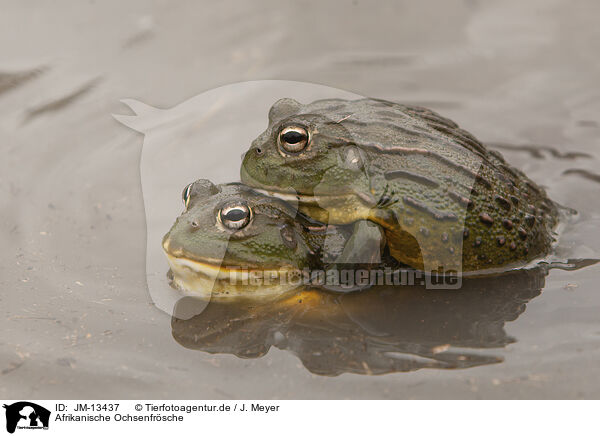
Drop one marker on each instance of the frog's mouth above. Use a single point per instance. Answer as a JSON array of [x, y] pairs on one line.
[[290, 196], [213, 278], [316, 199], [212, 269], [215, 268], [340, 208]]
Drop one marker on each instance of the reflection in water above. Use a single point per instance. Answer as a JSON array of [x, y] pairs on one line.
[[379, 331]]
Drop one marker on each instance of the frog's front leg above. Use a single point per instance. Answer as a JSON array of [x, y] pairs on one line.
[[417, 238], [365, 245]]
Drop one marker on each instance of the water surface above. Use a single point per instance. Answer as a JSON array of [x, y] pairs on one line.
[[78, 319]]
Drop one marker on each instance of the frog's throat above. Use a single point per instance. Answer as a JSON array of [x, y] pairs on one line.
[[209, 280], [332, 209]]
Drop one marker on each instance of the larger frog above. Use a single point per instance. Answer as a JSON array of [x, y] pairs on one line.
[[233, 242], [446, 202]]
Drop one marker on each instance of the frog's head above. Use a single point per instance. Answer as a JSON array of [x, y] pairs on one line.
[[228, 231], [306, 151]]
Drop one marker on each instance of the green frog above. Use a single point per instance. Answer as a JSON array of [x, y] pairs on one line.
[[445, 201], [231, 241]]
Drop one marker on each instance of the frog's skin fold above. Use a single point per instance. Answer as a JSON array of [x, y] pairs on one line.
[[213, 256], [445, 201]]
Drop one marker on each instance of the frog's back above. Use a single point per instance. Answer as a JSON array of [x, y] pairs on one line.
[[441, 187]]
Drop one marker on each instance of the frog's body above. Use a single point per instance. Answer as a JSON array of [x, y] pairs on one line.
[[233, 242], [445, 201]]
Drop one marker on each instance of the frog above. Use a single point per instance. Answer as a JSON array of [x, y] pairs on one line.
[[444, 200], [232, 242]]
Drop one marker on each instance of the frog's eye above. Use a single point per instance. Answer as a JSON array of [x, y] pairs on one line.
[[293, 139], [235, 216], [185, 195]]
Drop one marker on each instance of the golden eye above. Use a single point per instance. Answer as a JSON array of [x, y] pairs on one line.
[[293, 139], [185, 195], [235, 216]]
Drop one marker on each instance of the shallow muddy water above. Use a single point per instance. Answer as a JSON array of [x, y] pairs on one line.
[[79, 318]]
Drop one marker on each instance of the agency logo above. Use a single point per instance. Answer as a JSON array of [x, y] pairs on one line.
[[26, 415]]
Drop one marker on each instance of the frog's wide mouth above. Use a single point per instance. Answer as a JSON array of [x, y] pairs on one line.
[[314, 199], [209, 280], [184, 265]]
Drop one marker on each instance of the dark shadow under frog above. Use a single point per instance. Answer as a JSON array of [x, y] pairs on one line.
[[378, 331]]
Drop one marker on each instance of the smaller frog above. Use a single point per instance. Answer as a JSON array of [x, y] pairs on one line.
[[231, 241]]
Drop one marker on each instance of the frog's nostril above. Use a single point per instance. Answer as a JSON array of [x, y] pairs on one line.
[[258, 150], [194, 224]]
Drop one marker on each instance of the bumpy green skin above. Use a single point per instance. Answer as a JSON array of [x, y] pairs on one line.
[[445, 201]]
